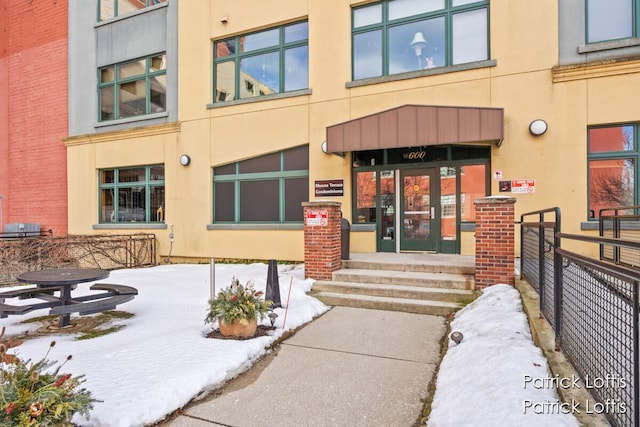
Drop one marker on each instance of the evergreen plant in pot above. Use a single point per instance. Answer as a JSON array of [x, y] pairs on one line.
[[237, 309]]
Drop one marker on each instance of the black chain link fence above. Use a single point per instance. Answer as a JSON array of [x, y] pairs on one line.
[[108, 252], [592, 305]]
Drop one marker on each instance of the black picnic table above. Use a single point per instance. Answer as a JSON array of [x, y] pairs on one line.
[[64, 280]]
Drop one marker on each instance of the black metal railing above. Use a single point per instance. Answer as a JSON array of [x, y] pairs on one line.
[[621, 223], [538, 257], [592, 305]]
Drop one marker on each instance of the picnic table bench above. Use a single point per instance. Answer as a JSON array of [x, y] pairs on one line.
[[6, 309], [116, 294], [64, 281]]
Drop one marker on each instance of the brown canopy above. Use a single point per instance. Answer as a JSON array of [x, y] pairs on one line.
[[417, 125]]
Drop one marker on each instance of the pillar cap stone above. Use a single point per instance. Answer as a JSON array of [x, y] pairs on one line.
[[322, 203], [495, 199]]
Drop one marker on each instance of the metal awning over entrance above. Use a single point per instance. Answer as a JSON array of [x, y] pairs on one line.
[[417, 125]]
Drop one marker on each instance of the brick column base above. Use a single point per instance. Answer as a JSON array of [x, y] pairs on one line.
[[322, 249], [495, 241]]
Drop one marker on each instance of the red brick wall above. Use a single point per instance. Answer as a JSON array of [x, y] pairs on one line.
[[322, 245], [495, 241], [33, 96]]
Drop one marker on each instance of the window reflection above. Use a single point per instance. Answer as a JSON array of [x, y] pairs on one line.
[[107, 111], [158, 94], [367, 53], [609, 20], [611, 183], [613, 156], [417, 46], [260, 75], [132, 98], [366, 196], [133, 88], [411, 35], [259, 40], [113, 8], [367, 15], [470, 36], [225, 73], [403, 8], [296, 73], [473, 186], [268, 62], [611, 139], [296, 32]]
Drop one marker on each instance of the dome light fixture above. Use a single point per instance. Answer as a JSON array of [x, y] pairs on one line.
[[538, 127], [185, 160]]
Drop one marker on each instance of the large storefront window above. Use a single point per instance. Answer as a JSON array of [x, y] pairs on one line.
[[613, 159], [398, 36], [265, 189], [132, 194], [262, 63]]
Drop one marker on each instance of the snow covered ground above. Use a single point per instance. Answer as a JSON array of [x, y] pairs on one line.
[[496, 376], [162, 359]]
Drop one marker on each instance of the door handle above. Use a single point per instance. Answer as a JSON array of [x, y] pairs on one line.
[[433, 213]]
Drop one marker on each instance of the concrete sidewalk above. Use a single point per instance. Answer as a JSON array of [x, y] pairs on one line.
[[350, 367]]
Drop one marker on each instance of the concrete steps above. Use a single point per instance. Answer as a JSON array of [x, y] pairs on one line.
[[426, 284]]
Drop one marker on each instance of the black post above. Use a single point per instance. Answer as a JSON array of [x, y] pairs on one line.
[[541, 264], [558, 278], [273, 286], [636, 357]]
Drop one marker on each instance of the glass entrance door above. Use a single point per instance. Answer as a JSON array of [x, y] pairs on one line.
[[418, 225], [387, 206]]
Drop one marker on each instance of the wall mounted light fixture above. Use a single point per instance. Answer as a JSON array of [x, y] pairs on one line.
[[325, 149], [185, 160], [538, 127]]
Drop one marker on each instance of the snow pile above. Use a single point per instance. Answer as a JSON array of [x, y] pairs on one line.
[[496, 376]]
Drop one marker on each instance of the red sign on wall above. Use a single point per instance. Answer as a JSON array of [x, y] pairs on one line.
[[315, 218], [523, 186]]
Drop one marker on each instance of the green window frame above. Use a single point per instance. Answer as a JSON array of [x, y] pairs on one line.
[[133, 88], [275, 60], [131, 195], [398, 36], [611, 20], [267, 189], [613, 157], [112, 8]]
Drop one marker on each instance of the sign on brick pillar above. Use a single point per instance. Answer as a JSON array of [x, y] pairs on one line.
[[495, 240], [322, 248]]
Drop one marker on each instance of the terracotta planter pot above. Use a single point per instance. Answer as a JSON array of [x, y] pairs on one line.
[[237, 329]]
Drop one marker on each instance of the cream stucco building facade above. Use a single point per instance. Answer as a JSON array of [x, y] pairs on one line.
[[237, 196]]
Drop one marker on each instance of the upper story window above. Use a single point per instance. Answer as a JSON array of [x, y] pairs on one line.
[[613, 157], [397, 36], [112, 8], [133, 88], [262, 63], [611, 19], [132, 194]]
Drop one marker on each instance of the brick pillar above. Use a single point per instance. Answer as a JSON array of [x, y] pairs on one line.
[[495, 241], [322, 249]]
